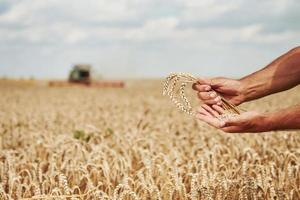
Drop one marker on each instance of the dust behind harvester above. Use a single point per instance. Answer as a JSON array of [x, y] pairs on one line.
[[81, 74]]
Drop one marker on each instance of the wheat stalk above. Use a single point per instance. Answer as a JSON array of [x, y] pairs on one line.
[[169, 160], [181, 101]]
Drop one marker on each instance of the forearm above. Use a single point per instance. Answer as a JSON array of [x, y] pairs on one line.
[[284, 119], [282, 74]]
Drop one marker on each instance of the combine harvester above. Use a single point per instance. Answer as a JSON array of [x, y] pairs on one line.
[[81, 76]]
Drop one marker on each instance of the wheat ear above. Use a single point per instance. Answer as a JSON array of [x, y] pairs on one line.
[[183, 103]]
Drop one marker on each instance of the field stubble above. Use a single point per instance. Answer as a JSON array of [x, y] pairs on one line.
[[132, 143]]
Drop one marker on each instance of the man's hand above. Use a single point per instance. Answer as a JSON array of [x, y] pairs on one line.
[[244, 123], [230, 89]]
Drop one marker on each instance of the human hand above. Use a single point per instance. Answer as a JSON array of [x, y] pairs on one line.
[[244, 123], [230, 89]]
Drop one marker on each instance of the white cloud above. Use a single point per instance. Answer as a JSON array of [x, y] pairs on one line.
[[161, 33], [207, 9], [85, 10], [163, 28]]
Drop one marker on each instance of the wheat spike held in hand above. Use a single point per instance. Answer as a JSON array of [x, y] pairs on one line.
[[178, 97]]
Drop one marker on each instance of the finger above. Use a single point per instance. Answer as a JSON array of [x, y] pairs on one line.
[[210, 120], [204, 112], [219, 109], [207, 95], [210, 110], [204, 81], [213, 82], [201, 88], [210, 98], [204, 97]]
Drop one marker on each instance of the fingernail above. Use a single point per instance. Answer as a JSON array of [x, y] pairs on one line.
[[217, 99], [207, 88], [219, 103], [212, 95]]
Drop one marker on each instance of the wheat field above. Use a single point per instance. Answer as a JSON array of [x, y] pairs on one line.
[[132, 143]]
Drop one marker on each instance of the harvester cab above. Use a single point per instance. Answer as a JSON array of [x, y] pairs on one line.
[[80, 74]]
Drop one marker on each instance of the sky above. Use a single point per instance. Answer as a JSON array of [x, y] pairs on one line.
[[144, 38]]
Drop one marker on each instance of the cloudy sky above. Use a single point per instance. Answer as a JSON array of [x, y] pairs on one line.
[[144, 38]]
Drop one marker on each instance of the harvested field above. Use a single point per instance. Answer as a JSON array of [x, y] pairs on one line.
[[132, 143]]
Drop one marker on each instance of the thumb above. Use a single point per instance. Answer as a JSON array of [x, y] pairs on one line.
[[202, 85], [213, 82], [204, 81]]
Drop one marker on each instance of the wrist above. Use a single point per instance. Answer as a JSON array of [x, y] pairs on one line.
[[243, 91], [270, 122], [252, 88]]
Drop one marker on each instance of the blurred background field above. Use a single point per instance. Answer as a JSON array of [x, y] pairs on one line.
[[131, 143]]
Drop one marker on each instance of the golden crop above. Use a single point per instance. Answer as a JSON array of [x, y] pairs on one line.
[[96, 143]]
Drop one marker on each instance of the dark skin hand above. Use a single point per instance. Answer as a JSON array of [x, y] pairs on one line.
[[230, 89], [252, 121], [281, 74], [247, 122]]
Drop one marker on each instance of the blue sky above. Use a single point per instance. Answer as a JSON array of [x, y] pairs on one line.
[[144, 38]]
